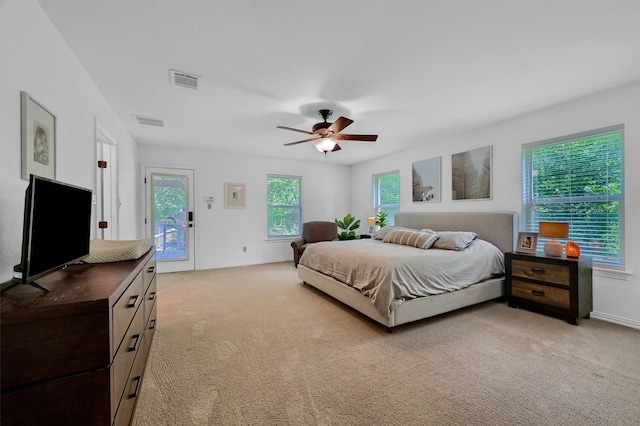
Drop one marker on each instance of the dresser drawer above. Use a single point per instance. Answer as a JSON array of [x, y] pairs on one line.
[[540, 271], [123, 361], [149, 271], [125, 309], [131, 392], [541, 293], [150, 298]]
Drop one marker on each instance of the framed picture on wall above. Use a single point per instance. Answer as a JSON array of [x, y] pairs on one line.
[[38, 128], [234, 195], [471, 174], [426, 180], [527, 242]]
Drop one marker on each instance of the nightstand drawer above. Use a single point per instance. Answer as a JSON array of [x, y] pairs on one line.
[[540, 271], [541, 293]]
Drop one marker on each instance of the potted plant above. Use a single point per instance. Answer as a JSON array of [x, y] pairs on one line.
[[381, 219], [348, 225]]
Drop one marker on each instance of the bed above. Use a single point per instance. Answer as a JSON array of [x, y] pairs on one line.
[[324, 267]]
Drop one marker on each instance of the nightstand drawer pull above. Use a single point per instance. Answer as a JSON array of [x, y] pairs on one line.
[[538, 270], [536, 292]]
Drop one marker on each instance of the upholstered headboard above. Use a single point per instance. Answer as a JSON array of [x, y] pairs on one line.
[[499, 228]]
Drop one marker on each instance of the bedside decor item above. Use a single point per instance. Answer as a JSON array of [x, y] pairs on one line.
[[381, 219], [371, 221], [348, 225], [572, 249], [553, 230], [38, 126], [527, 242], [234, 195]]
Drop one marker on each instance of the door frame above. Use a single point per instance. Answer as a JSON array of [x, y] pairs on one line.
[[145, 170]]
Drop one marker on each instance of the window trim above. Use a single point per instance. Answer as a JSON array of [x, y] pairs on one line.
[[375, 193], [300, 207], [527, 202]]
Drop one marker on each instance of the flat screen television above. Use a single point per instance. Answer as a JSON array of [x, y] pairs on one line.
[[56, 229]]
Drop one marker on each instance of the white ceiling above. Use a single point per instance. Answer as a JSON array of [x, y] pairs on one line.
[[409, 71]]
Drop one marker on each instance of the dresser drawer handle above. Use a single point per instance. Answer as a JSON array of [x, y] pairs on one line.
[[537, 292], [151, 269], [138, 379], [537, 270], [133, 301], [135, 339], [152, 296], [152, 324]]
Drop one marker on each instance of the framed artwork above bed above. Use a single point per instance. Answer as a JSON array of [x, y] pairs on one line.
[[426, 180], [471, 174]]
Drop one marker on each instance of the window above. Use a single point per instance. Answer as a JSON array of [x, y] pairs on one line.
[[579, 179], [284, 195], [386, 194]]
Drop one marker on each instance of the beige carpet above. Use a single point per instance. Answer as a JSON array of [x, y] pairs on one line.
[[254, 346]]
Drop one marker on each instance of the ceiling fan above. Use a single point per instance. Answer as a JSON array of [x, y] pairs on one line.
[[325, 134]]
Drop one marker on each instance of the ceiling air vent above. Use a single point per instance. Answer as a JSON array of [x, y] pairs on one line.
[[150, 121], [182, 79]]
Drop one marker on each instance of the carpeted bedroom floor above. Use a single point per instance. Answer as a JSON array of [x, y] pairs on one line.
[[254, 346]]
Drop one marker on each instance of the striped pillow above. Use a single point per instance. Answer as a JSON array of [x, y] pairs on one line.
[[421, 240]]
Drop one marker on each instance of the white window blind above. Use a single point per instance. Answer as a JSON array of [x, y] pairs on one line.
[[386, 194], [284, 195], [578, 179]]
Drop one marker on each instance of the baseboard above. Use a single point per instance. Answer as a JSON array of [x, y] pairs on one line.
[[616, 320]]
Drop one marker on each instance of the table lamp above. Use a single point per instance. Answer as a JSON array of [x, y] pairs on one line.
[[371, 221], [553, 230]]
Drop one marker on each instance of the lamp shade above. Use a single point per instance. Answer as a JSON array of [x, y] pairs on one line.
[[554, 229], [371, 220], [324, 144]]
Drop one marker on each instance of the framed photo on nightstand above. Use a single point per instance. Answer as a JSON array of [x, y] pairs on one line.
[[527, 242]]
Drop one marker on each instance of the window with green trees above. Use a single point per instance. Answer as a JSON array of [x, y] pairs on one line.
[[579, 179], [386, 194], [284, 194]]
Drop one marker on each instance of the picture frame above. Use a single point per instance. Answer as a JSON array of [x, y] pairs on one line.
[[38, 135], [426, 180], [527, 242], [234, 195], [471, 174]]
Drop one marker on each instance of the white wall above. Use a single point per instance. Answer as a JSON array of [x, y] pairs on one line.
[[221, 233], [616, 295], [35, 59]]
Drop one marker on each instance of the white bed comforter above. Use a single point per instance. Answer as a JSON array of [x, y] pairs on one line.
[[392, 273]]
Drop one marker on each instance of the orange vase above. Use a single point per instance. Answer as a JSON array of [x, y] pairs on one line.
[[572, 249]]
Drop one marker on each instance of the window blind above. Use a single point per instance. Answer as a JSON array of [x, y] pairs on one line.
[[578, 179], [386, 194]]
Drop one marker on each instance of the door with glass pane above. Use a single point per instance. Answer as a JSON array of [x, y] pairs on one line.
[[169, 217]]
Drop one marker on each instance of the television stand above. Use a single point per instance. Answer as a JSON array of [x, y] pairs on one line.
[[16, 282]]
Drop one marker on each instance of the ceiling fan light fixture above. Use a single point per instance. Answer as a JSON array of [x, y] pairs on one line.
[[324, 144]]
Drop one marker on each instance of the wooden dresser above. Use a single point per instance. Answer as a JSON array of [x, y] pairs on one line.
[[76, 355], [557, 286]]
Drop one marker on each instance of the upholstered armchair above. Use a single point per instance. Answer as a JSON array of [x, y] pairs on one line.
[[313, 232]]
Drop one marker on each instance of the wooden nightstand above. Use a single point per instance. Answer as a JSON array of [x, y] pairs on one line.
[[557, 286]]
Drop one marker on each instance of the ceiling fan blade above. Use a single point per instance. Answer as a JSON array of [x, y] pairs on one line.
[[339, 124], [365, 138], [336, 148], [295, 130], [297, 142]]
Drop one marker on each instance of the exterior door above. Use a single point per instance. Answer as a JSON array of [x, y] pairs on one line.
[[169, 217]]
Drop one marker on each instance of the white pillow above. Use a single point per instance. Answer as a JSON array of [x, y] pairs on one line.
[[413, 238], [454, 240]]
